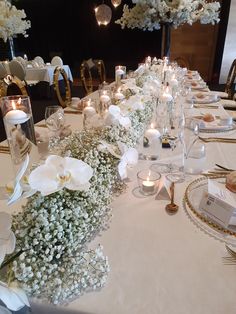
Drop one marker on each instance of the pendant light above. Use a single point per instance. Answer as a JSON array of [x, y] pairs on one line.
[[116, 3], [103, 14]]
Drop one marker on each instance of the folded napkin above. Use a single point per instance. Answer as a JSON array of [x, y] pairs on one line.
[[214, 125], [163, 192]]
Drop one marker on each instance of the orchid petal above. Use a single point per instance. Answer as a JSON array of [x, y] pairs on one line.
[[131, 156], [10, 243], [125, 122], [122, 169], [79, 170], [5, 221], [16, 194], [13, 298], [43, 179], [114, 111], [55, 161], [2, 251], [22, 169], [20, 293]]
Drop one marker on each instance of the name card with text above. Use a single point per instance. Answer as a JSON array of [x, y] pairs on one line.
[[219, 204]]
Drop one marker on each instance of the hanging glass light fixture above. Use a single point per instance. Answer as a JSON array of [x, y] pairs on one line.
[[116, 3], [103, 14]]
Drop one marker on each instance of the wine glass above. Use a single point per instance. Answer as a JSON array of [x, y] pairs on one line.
[[173, 135], [55, 119]]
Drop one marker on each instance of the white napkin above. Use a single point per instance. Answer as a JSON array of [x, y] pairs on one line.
[[163, 192]]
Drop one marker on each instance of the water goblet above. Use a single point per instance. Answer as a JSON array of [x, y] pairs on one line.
[[55, 120]]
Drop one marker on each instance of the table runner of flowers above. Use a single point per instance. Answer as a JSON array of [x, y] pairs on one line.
[[53, 232]]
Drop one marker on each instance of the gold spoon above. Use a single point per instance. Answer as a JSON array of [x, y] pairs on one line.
[[172, 208]]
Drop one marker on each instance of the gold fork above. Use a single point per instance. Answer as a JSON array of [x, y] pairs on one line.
[[217, 139]]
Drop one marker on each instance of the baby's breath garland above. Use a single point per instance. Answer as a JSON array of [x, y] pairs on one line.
[[54, 231]]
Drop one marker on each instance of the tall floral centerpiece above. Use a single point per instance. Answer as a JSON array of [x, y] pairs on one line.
[[153, 14], [12, 23]]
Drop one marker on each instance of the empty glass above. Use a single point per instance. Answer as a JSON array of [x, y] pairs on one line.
[[55, 120]]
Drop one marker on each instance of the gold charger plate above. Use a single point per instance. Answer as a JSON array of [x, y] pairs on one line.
[[192, 197]]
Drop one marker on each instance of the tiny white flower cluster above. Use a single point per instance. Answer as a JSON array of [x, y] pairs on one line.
[[150, 14], [12, 21], [54, 231]]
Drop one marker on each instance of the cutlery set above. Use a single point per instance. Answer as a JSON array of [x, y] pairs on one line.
[[217, 139], [4, 149]]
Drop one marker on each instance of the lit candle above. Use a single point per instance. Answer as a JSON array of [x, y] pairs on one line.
[[16, 116], [104, 98], [119, 71], [173, 81], [148, 186], [166, 96], [119, 95], [89, 110], [152, 134]]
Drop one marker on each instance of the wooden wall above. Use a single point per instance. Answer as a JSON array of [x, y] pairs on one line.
[[196, 44]]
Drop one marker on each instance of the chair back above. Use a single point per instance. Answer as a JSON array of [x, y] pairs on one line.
[[39, 60], [17, 69], [21, 60], [65, 99], [229, 87], [12, 85], [92, 74], [57, 61], [3, 71]]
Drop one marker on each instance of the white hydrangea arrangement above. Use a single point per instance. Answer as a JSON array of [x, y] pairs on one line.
[[53, 232], [150, 14], [12, 21]]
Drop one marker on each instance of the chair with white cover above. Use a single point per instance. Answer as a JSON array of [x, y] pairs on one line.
[[39, 61], [18, 70], [57, 61]]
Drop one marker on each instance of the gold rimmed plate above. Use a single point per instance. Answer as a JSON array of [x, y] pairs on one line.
[[192, 198]]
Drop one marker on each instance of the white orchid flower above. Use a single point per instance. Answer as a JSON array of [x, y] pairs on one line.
[[21, 188], [115, 117], [12, 296], [7, 237], [129, 158], [59, 172], [135, 102]]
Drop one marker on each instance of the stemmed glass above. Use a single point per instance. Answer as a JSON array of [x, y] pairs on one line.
[[173, 133], [55, 120]]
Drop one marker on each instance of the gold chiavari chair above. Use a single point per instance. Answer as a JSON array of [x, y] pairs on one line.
[[63, 100], [92, 74], [12, 85]]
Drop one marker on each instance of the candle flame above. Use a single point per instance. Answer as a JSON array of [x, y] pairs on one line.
[[152, 125], [19, 101]]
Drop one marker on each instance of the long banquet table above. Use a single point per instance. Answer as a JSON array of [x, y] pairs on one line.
[[160, 264]]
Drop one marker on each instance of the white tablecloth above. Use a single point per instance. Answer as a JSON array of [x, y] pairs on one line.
[[160, 264], [45, 74]]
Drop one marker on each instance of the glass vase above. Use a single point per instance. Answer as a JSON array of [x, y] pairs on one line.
[[19, 126]]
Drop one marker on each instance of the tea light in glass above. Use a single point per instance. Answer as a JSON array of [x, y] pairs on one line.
[[148, 181], [118, 95], [151, 143], [120, 72], [105, 100]]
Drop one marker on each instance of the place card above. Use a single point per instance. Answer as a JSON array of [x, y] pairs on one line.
[[218, 204], [163, 192]]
